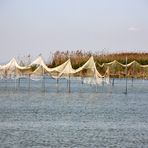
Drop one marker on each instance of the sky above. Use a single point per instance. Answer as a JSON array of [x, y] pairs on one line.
[[44, 26]]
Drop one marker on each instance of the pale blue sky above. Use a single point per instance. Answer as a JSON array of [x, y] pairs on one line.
[[42, 26]]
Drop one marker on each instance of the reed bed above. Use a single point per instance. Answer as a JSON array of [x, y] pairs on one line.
[[79, 57]]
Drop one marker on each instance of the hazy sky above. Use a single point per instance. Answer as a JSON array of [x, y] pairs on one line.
[[43, 26]]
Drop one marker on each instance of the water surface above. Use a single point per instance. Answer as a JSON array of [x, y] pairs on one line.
[[89, 116]]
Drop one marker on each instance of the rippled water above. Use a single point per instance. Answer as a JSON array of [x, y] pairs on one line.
[[89, 116]]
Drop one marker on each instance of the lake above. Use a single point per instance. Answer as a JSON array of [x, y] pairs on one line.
[[43, 114]]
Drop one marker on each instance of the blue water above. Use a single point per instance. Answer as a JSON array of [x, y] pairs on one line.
[[46, 115]]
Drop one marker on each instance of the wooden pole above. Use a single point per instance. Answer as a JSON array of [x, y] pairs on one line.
[[126, 76], [133, 72], [15, 83], [69, 90], [6, 78], [113, 81], [15, 78], [57, 82], [29, 82], [132, 80], [19, 79], [95, 78], [43, 81], [6, 83], [69, 79]]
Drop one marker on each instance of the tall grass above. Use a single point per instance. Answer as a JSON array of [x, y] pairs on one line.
[[78, 58]]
